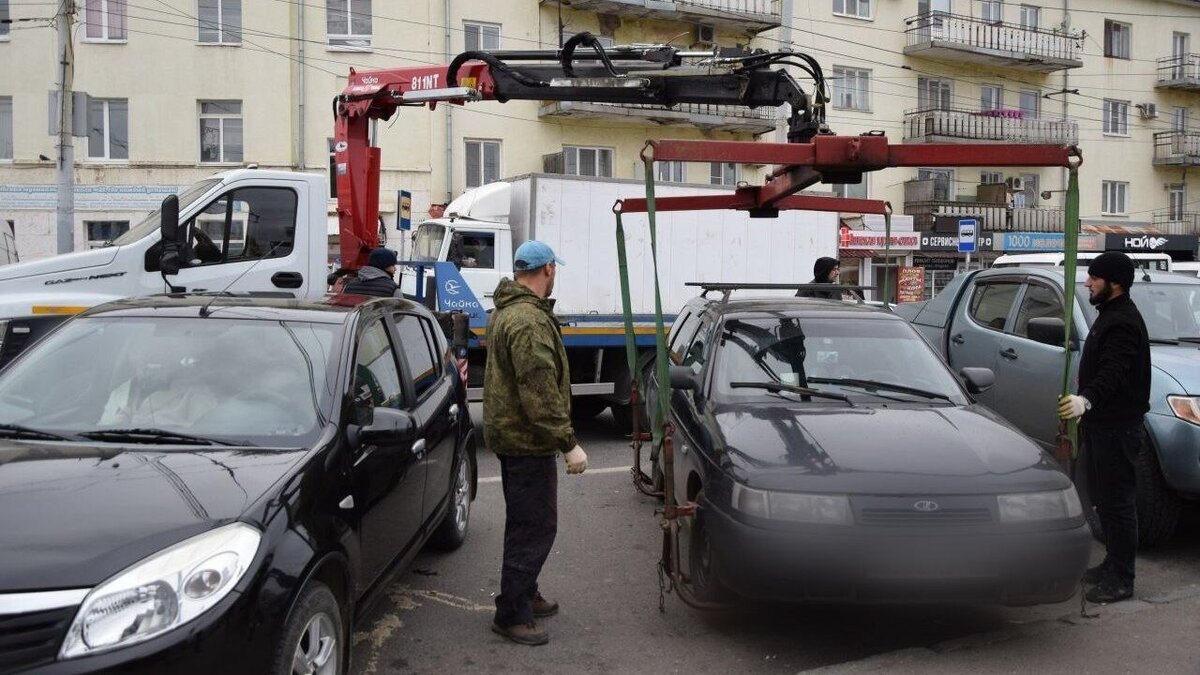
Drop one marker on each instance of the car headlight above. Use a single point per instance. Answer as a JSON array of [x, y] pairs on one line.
[[793, 507], [1033, 506], [162, 592], [1186, 408]]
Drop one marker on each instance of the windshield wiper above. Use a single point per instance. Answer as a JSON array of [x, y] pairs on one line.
[[1165, 341], [793, 388], [18, 431], [152, 436], [1189, 338], [872, 385]]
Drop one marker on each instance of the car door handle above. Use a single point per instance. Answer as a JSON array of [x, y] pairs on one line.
[[288, 279], [418, 448], [453, 412], [1010, 354], [957, 339]]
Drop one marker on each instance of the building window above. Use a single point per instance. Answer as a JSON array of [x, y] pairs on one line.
[[1027, 196], [220, 21], [108, 128], [1114, 194], [859, 9], [6, 127], [991, 178], [992, 11], [934, 94], [1117, 39], [851, 88], [4, 17], [483, 162], [1176, 194], [723, 173], [105, 19], [587, 161], [348, 23], [670, 172], [220, 131], [851, 190], [1031, 17], [1116, 117], [943, 182], [991, 97], [1031, 103], [1179, 118], [102, 232], [481, 36]]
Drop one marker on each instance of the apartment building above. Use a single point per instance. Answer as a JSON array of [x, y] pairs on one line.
[[179, 89]]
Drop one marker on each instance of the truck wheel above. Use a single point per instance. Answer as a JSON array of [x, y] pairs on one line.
[[313, 637], [584, 408], [1157, 504]]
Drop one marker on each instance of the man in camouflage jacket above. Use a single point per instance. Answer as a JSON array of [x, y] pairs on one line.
[[527, 422]]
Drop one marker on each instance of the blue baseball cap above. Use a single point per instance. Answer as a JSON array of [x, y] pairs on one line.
[[534, 254]]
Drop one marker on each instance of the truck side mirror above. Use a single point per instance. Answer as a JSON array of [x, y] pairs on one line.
[[170, 260], [978, 380], [1048, 330]]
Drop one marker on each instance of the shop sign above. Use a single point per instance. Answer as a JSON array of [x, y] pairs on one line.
[[864, 239], [1150, 242], [910, 284], [948, 242]]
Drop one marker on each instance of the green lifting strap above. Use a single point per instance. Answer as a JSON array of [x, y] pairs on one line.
[[1069, 431], [626, 303]]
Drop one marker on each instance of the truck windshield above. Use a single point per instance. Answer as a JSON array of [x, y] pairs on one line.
[[151, 222], [1171, 311], [844, 356], [427, 243], [233, 380]]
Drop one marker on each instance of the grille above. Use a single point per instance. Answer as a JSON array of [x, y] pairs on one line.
[[912, 518], [32, 639]]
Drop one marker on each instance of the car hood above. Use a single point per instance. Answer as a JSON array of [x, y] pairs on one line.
[[67, 262], [882, 450], [73, 515], [1181, 363]]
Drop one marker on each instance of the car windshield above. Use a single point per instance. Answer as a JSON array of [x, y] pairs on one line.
[[1171, 311], [427, 243], [153, 219], [231, 379], [842, 356]]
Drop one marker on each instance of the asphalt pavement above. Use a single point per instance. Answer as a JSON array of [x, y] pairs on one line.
[[603, 570]]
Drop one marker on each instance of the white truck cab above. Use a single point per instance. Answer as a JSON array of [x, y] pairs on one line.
[[1160, 262], [242, 230]]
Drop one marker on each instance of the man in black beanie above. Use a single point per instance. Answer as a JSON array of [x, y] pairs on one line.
[[377, 278], [1113, 399], [825, 271]]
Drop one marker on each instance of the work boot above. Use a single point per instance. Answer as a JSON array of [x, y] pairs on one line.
[[543, 608], [1110, 589], [523, 633], [1095, 575]]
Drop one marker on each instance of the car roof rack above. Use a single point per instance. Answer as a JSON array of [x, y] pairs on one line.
[[728, 288]]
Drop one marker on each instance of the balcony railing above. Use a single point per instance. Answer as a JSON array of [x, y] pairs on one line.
[[992, 217], [1177, 223], [751, 16], [1008, 126], [703, 115], [1181, 71], [1177, 148], [950, 36]]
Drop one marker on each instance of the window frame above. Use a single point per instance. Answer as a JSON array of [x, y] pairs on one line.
[[1029, 284], [481, 26], [1176, 192], [105, 27], [944, 87], [862, 88], [984, 175], [1121, 123], [1030, 10], [481, 148], [599, 151], [220, 26], [106, 116], [5, 14], [669, 170], [1109, 190], [350, 35], [408, 374], [1112, 46], [231, 195], [997, 90], [97, 243], [844, 190], [857, 14], [1037, 101], [1179, 118], [996, 5], [1008, 318], [201, 116], [736, 168], [405, 385]]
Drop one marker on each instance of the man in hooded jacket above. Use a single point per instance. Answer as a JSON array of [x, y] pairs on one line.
[[378, 277], [825, 271]]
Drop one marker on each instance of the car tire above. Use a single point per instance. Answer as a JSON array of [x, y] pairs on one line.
[[1158, 507], [314, 635], [452, 531], [702, 569], [584, 408]]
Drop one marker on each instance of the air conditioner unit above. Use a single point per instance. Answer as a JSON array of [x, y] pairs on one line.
[[706, 33], [1015, 183], [1148, 111]]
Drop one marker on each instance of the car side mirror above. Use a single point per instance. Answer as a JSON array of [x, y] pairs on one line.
[[978, 380], [170, 258], [683, 378], [1048, 330], [389, 427]]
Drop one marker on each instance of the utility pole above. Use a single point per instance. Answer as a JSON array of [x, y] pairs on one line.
[[66, 141]]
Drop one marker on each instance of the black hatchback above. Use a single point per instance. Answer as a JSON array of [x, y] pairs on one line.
[[835, 457], [197, 484]]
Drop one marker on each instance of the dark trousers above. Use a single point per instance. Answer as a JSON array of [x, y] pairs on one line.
[[530, 525], [1112, 479]]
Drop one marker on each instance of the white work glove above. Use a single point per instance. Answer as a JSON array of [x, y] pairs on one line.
[[576, 460], [1071, 406]]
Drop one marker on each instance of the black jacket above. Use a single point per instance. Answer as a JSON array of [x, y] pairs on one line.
[[832, 294], [1114, 370], [374, 282]]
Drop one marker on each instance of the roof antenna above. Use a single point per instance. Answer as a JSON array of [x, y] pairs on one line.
[[205, 312]]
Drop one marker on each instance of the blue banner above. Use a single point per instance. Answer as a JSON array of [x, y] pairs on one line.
[[1048, 242]]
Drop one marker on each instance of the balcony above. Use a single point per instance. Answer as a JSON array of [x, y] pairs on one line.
[[1177, 148], [925, 200], [1179, 72], [949, 37], [710, 117], [750, 16], [1177, 223], [988, 126]]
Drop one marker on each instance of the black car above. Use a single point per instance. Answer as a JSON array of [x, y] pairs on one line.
[[835, 457], [218, 485]]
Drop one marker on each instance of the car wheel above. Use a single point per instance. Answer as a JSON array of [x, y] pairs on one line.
[[1158, 506], [453, 531], [657, 477], [313, 638], [702, 568]]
